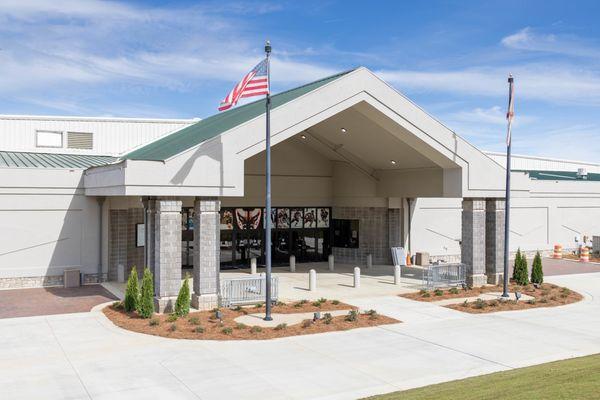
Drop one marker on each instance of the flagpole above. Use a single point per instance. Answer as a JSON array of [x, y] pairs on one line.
[[507, 202], [268, 190]]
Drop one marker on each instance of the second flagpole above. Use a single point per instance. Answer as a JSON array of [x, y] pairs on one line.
[[268, 190]]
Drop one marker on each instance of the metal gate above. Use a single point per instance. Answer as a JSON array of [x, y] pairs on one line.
[[438, 275], [247, 290]]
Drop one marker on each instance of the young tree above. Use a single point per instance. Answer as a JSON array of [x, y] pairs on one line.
[[537, 273], [132, 293], [146, 304], [517, 264], [182, 305], [521, 273]]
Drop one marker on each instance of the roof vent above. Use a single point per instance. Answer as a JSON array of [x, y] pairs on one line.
[[582, 173], [80, 140]]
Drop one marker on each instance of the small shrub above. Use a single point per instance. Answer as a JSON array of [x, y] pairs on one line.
[[322, 300], [297, 305], [199, 329], [438, 292], [465, 303], [537, 273], [258, 305], [194, 320], [453, 290], [154, 322], [280, 304], [132, 292], [566, 291], [239, 325], [307, 323], [182, 304], [520, 273], [173, 328], [118, 305], [146, 305], [422, 292], [237, 308], [316, 303], [256, 329], [531, 301], [327, 318], [493, 303], [352, 316], [227, 331], [172, 317], [335, 302], [303, 301], [372, 314], [544, 300], [214, 310], [479, 304], [281, 327], [426, 294]]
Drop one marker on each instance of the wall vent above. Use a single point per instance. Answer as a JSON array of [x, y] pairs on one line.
[[80, 140]]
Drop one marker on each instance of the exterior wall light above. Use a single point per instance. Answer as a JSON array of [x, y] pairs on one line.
[[393, 162], [303, 137], [343, 130]]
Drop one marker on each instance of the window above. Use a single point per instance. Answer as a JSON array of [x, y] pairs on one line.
[[345, 233], [48, 139], [80, 140]]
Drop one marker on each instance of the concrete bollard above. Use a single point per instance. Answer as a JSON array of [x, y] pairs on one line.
[[292, 263], [369, 261], [331, 261], [312, 280], [397, 275], [356, 277], [253, 265]]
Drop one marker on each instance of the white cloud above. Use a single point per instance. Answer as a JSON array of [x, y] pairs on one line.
[[530, 40], [557, 83]]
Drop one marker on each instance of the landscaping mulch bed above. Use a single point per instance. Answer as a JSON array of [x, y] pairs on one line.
[[203, 325], [570, 256], [547, 295], [455, 293]]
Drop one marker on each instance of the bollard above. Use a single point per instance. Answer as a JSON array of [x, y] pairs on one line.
[[312, 280], [356, 277], [331, 261], [292, 263], [369, 261], [397, 275], [253, 265]]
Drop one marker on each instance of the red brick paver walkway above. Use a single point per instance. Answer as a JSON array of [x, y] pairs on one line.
[[55, 300]]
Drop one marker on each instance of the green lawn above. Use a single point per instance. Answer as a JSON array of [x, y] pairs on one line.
[[577, 378]]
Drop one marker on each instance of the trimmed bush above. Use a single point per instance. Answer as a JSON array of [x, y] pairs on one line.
[[182, 304], [146, 304], [132, 292], [328, 318], [520, 273], [352, 316], [537, 273]]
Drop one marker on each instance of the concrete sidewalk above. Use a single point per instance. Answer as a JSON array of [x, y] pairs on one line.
[[83, 356]]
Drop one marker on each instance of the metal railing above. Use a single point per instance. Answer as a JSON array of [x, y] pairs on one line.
[[440, 275], [247, 290]]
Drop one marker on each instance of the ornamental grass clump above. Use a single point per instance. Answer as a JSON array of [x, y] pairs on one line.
[[352, 316], [438, 292], [453, 290], [145, 307], [327, 318], [132, 292], [537, 273], [182, 304]]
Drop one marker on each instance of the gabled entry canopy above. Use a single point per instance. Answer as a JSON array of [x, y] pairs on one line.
[[402, 149]]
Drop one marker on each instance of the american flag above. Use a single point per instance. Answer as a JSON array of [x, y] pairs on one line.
[[510, 114], [255, 83]]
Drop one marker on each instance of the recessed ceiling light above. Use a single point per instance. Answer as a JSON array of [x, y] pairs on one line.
[[343, 130], [393, 162], [302, 136]]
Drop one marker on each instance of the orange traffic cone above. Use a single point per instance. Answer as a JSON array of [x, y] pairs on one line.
[[408, 259]]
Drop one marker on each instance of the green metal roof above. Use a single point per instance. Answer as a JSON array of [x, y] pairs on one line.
[[19, 159], [214, 125], [559, 176]]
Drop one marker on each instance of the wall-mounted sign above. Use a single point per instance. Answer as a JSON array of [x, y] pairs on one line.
[[140, 235]]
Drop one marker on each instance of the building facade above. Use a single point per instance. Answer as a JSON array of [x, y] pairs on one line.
[[357, 169]]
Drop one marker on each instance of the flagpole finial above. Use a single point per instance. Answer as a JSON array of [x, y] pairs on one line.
[[268, 47], [510, 77]]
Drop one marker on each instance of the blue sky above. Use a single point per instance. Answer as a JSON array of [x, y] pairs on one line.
[[179, 58]]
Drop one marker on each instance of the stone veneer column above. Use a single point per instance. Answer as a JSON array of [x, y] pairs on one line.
[[150, 208], [473, 241], [206, 253], [395, 227], [167, 253], [494, 240]]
